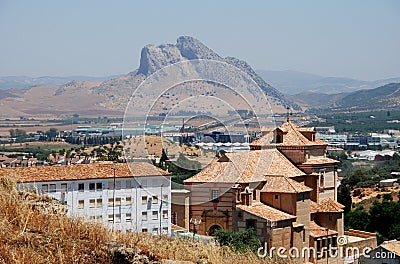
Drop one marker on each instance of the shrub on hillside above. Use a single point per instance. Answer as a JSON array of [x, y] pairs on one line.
[[242, 241]]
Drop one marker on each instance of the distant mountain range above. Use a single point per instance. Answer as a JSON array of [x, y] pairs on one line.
[[295, 82], [381, 98], [46, 97], [52, 96], [17, 82]]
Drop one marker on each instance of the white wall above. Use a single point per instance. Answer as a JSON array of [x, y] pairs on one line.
[[136, 189]]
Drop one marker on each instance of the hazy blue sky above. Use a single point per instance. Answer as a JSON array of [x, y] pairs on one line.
[[358, 39]]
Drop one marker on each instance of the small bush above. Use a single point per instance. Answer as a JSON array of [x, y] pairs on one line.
[[243, 241]]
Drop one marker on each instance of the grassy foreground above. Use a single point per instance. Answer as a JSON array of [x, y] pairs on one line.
[[35, 229]]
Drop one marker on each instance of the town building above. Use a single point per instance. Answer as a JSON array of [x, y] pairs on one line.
[[19, 161], [285, 188], [387, 253], [128, 198]]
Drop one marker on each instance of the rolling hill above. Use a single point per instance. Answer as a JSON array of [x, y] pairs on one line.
[[380, 98], [295, 82]]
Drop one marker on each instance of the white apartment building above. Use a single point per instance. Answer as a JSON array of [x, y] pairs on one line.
[[136, 199]]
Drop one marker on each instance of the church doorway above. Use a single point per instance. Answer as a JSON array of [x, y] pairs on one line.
[[213, 229]]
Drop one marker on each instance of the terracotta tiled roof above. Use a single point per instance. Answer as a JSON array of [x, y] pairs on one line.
[[306, 129], [320, 161], [247, 166], [330, 206], [392, 245], [292, 136], [75, 172], [281, 184], [319, 231], [265, 140], [313, 207], [264, 211], [178, 228]]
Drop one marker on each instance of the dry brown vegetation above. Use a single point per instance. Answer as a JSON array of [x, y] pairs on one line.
[[366, 197], [34, 229]]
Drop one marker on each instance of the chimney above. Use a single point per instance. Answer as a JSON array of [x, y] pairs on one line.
[[247, 196], [236, 190]]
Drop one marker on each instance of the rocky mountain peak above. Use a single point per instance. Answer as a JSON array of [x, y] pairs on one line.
[[192, 48], [155, 57]]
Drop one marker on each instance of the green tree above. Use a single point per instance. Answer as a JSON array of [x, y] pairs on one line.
[[344, 197], [388, 196], [242, 241], [357, 219]]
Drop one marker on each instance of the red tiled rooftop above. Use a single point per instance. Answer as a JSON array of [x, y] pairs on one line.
[[292, 137], [281, 184], [392, 245], [264, 211], [326, 206], [76, 172], [249, 166], [313, 207], [330, 206], [320, 161], [319, 231]]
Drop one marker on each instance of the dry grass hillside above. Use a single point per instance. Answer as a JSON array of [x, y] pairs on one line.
[[366, 197], [153, 145], [34, 229]]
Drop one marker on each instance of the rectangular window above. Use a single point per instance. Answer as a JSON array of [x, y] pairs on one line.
[[155, 230], [99, 218], [45, 188], [92, 203], [118, 201], [99, 202], [118, 185], [110, 202], [174, 218], [99, 186], [128, 200], [52, 188], [154, 215], [92, 186], [165, 214], [110, 218], [322, 179], [63, 187], [144, 230], [128, 184], [128, 217], [144, 216], [81, 187], [165, 230], [144, 199], [215, 194], [251, 224], [155, 199], [118, 218], [81, 204], [276, 196]]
